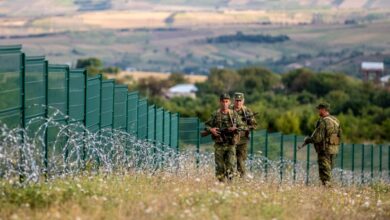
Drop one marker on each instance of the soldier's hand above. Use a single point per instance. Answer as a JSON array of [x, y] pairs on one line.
[[215, 131], [305, 142], [232, 129]]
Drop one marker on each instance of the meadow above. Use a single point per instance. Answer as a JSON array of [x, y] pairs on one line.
[[193, 195]]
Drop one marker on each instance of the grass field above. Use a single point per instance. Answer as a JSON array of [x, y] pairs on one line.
[[188, 196]]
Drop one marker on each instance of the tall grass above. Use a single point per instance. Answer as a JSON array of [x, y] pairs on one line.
[[187, 196]]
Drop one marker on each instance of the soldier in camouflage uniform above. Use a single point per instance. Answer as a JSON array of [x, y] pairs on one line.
[[224, 126], [326, 140], [248, 118]]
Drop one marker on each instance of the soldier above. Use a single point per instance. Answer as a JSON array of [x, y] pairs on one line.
[[224, 125], [248, 118], [326, 140]]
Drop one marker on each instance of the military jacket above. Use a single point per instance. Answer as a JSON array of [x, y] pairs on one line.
[[248, 118], [223, 122], [327, 134]]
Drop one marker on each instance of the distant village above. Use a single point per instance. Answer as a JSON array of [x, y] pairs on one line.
[[375, 72]]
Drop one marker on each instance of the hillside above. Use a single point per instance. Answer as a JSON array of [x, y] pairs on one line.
[[19, 8], [174, 35]]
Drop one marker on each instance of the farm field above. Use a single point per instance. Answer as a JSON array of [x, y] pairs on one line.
[[172, 36], [136, 76], [334, 47]]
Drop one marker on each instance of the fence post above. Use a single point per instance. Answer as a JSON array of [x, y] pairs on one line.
[[197, 142], [100, 115], [380, 160], [46, 157], [113, 107], [147, 121], [266, 153], [251, 149], [170, 131], [295, 158], [163, 128], [372, 162], [342, 162], [85, 113], [178, 133], [66, 153], [155, 125], [307, 164], [127, 113], [281, 157], [388, 161], [23, 114], [353, 163], [23, 92], [156, 158], [362, 175]]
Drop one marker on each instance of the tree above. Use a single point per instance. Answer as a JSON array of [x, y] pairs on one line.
[[289, 123], [93, 65], [297, 80], [151, 86], [176, 78], [338, 99], [256, 78], [220, 81]]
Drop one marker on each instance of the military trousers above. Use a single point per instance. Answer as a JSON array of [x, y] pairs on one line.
[[225, 161], [242, 155], [325, 166]]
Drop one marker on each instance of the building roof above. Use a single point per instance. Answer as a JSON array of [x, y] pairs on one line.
[[183, 88], [385, 79], [372, 66]]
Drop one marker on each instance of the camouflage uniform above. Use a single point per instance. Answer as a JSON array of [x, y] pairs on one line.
[[225, 144], [326, 140], [248, 118]]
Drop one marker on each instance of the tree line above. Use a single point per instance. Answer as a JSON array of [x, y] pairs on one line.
[[286, 102], [255, 38]]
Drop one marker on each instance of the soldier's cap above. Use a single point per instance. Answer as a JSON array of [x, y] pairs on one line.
[[224, 96], [323, 105], [238, 96]]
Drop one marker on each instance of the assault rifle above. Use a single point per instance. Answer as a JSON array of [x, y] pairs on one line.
[[224, 131], [224, 135], [248, 118]]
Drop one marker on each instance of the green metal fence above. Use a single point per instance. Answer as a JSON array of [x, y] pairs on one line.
[[32, 89]]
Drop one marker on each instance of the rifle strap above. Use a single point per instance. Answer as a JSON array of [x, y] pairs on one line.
[[245, 112], [219, 118], [325, 133], [231, 117]]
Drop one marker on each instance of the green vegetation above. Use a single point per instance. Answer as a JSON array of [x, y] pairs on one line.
[[95, 66], [240, 37], [286, 102]]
